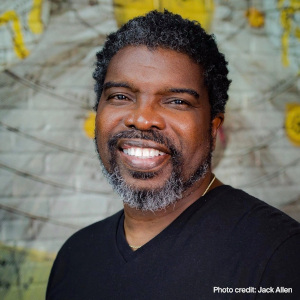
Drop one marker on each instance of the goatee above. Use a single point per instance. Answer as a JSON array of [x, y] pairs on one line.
[[159, 198]]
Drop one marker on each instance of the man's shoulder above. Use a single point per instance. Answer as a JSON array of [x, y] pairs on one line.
[[253, 216], [252, 207], [94, 233]]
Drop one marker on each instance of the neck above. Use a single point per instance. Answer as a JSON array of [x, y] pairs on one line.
[[141, 226]]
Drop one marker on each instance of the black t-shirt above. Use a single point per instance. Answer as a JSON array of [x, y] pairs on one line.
[[226, 245]]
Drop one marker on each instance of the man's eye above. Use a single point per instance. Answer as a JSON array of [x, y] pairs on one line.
[[118, 97], [178, 104], [178, 101]]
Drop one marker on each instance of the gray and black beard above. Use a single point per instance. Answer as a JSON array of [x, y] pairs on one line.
[[159, 198]]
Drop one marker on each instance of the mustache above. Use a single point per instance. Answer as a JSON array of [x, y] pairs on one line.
[[149, 135]]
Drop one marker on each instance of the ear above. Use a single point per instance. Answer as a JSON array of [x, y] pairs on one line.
[[215, 125]]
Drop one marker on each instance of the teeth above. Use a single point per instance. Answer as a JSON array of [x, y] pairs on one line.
[[138, 152], [146, 152], [142, 152]]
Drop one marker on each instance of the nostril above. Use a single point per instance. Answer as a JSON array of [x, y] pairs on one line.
[[144, 118]]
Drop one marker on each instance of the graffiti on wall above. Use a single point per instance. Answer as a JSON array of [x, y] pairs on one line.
[[21, 24], [283, 28]]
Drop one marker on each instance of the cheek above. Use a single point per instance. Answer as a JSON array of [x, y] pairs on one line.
[[107, 124], [102, 125], [106, 121], [193, 133]]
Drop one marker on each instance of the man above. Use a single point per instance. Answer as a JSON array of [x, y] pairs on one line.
[[161, 87]]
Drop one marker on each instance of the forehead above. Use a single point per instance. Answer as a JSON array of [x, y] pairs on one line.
[[138, 63]]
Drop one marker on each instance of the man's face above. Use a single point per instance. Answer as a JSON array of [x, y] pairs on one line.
[[153, 127]]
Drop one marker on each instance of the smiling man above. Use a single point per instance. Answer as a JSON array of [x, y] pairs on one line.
[[154, 131], [161, 87]]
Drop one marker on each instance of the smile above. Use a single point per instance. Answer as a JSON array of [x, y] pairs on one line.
[[143, 155], [143, 152]]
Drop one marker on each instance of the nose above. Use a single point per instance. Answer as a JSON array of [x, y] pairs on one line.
[[145, 117]]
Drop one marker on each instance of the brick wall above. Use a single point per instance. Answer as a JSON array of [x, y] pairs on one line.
[[50, 179]]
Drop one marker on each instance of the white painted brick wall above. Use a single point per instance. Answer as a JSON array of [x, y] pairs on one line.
[[258, 156]]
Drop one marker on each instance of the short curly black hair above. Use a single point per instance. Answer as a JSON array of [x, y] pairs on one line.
[[170, 31]]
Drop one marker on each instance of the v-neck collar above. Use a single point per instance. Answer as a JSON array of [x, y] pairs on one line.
[[128, 254]]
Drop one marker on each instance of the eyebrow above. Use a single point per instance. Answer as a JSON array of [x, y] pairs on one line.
[[110, 84], [188, 91]]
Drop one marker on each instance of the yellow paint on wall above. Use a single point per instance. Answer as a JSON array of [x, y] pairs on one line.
[[24, 273], [89, 125], [285, 49], [34, 17], [286, 24], [292, 123], [35, 24], [199, 10], [297, 33], [255, 17], [287, 12], [18, 41]]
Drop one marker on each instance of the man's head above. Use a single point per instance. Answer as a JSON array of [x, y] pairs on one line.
[[170, 31], [161, 90]]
